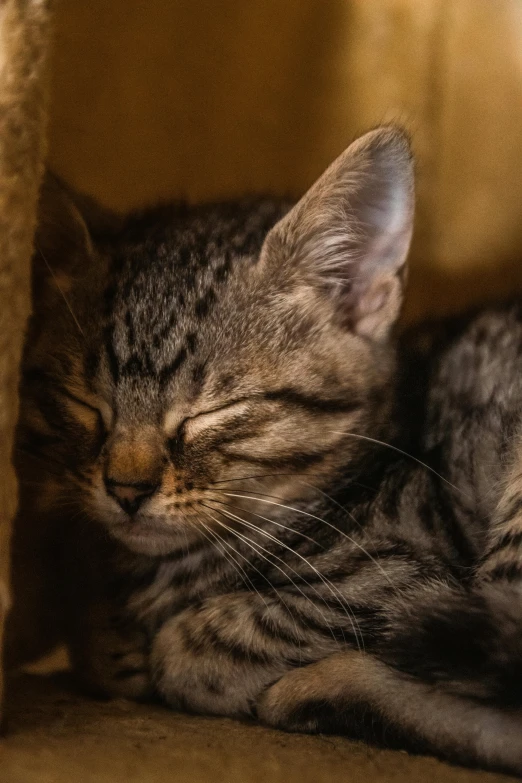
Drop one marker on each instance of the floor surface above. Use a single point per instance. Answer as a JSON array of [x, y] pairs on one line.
[[57, 736]]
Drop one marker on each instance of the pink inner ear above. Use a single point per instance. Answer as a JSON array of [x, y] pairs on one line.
[[351, 232], [374, 300], [378, 306]]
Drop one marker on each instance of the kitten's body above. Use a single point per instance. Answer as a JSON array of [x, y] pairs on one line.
[[274, 555]]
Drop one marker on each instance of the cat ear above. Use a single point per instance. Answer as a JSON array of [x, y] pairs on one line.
[[62, 235], [351, 232], [68, 223]]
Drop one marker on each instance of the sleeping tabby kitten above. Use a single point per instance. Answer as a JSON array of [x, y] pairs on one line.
[[305, 524]]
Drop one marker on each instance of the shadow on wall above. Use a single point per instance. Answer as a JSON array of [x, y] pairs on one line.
[[434, 292], [200, 100]]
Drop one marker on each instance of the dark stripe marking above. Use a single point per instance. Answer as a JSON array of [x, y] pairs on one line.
[[319, 404], [112, 359], [507, 541], [171, 369], [510, 571]]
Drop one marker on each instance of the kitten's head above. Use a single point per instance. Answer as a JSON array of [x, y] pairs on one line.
[[187, 361]]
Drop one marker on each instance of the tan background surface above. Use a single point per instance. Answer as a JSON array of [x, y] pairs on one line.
[[24, 35], [57, 737], [206, 98]]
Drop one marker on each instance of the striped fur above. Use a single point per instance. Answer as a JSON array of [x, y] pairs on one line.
[[298, 514]]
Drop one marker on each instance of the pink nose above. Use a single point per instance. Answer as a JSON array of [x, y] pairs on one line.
[[129, 496]]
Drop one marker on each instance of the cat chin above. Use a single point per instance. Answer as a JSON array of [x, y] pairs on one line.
[[153, 544]]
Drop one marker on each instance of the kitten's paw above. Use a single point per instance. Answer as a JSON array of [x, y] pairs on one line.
[[305, 700], [126, 670], [196, 669], [285, 705], [115, 663], [192, 676]]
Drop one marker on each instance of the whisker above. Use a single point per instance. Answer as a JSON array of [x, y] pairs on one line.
[[55, 279], [346, 511], [251, 565], [319, 519], [220, 548], [404, 454], [306, 484], [329, 524], [361, 437], [254, 476], [327, 583], [246, 577], [255, 548], [331, 500], [227, 553], [272, 521]]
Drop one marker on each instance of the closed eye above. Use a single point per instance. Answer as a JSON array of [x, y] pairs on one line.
[[88, 413], [236, 411], [216, 419]]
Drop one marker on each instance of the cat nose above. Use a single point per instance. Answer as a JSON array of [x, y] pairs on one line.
[[130, 496]]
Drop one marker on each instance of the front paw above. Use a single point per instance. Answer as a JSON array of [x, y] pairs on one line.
[[289, 705], [114, 662], [196, 669], [328, 696]]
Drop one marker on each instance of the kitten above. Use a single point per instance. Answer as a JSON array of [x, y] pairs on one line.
[[216, 386]]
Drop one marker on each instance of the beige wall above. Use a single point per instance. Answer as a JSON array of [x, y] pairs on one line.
[[205, 98]]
